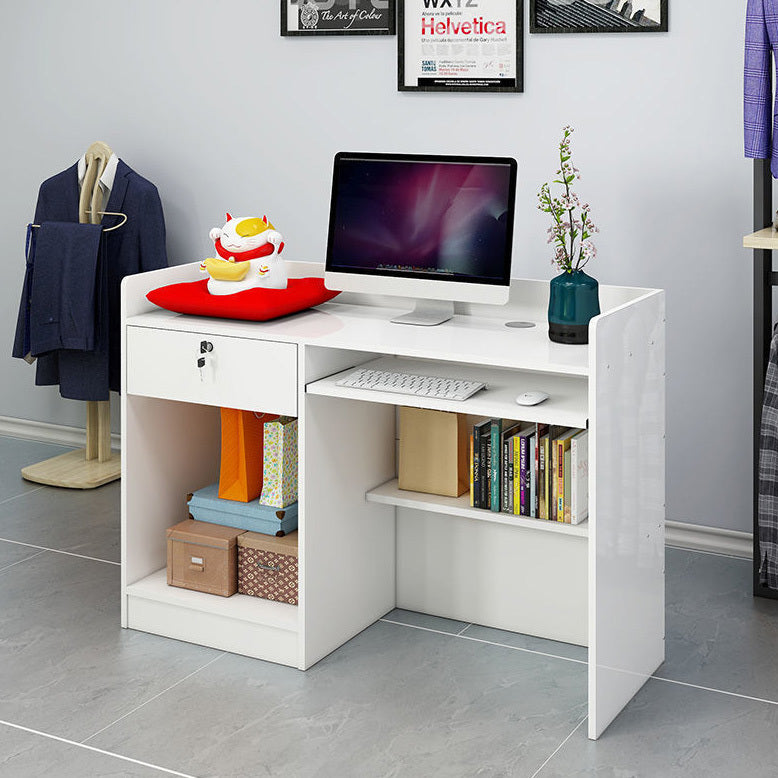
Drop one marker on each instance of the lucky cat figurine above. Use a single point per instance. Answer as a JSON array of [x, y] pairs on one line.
[[248, 249]]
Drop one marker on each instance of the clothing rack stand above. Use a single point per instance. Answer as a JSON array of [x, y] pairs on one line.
[[95, 464], [763, 241]]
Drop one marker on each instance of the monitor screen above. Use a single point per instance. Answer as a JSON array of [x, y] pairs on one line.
[[422, 217]]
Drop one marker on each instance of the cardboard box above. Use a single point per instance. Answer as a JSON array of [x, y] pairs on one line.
[[267, 566], [203, 557], [433, 452]]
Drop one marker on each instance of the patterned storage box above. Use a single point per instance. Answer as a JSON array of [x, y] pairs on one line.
[[267, 566]]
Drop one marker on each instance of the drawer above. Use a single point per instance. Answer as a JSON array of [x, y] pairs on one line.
[[239, 372]]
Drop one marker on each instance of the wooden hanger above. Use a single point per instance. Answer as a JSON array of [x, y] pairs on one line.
[[96, 158], [90, 201]]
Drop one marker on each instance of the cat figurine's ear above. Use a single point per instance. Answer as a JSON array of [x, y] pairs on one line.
[[264, 219], [229, 217]]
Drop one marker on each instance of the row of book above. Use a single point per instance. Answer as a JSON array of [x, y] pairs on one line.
[[536, 470]]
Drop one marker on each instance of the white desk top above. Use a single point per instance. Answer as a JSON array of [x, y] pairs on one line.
[[470, 339], [477, 335]]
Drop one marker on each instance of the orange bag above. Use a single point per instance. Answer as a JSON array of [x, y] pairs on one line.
[[240, 474]]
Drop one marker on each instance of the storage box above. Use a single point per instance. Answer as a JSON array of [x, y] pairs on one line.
[[267, 566], [203, 557], [279, 481], [433, 452], [206, 505]]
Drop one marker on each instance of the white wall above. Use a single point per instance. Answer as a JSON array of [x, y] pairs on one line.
[[208, 101]]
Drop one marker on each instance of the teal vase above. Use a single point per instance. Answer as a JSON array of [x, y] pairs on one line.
[[574, 299]]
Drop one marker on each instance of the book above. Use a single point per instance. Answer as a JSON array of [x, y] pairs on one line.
[[562, 473], [524, 469], [579, 477], [470, 469], [479, 455], [486, 466], [516, 442], [533, 447], [543, 476], [506, 496], [567, 481], [510, 473], [552, 498], [540, 430], [495, 456]]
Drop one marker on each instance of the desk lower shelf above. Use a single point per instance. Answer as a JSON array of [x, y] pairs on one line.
[[390, 493], [241, 624]]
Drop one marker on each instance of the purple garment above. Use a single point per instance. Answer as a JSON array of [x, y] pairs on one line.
[[761, 38]]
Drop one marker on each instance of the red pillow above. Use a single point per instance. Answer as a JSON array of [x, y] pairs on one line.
[[252, 304]]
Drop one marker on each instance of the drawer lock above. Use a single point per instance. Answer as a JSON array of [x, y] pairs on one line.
[[206, 347]]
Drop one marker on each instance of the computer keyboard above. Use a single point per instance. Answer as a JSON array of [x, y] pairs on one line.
[[408, 383]]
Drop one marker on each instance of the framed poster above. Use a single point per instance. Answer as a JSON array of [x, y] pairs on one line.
[[598, 16], [337, 17], [460, 45]]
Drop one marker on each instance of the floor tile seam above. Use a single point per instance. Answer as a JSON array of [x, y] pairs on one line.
[[155, 697], [60, 551], [559, 747], [21, 494], [94, 749], [21, 561], [715, 691], [486, 642]]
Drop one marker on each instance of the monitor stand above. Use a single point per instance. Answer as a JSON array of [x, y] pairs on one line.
[[427, 313]]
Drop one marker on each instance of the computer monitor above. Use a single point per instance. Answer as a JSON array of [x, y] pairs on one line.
[[435, 228]]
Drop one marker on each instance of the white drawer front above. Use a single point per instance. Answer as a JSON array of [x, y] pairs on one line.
[[238, 373]]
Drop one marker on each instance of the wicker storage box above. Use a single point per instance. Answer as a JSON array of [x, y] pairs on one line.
[[267, 566], [203, 557]]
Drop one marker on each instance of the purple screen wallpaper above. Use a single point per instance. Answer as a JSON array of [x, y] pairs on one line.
[[441, 220]]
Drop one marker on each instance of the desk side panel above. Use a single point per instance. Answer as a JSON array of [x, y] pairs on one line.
[[627, 511], [348, 557]]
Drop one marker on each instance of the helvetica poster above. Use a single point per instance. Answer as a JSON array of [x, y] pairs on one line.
[[460, 45]]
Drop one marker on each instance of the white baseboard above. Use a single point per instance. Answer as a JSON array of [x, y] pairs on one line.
[[48, 433], [717, 541]]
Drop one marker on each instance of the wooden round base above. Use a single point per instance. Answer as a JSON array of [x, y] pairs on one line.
[[74, 471]]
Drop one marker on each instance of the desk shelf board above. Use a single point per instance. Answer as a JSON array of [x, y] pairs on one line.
[[241, 624], [567, 404], [389, 493]]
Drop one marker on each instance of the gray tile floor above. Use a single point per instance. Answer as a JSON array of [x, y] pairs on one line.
[[412, 695]]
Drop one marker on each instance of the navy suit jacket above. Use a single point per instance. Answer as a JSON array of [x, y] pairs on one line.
[[135, 247]]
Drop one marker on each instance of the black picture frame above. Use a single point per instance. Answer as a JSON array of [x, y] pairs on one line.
[[385, 25], [483, 84], [582, 16]]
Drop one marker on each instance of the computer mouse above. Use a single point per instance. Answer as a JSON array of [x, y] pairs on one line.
[[531, 398]]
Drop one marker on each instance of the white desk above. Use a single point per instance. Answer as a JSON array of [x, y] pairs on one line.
[[367, 547]]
